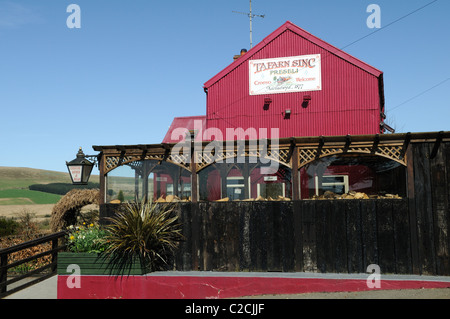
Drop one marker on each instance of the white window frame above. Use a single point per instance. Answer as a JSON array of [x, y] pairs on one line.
[[171, 185], [344, 183], [258, 189], [240, 185]]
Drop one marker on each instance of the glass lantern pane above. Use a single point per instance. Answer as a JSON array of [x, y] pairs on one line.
[[75, 173]]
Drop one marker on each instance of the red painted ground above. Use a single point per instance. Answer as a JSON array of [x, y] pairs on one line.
[[204, 287]]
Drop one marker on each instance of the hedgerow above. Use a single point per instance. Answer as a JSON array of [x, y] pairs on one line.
[[61, 188]]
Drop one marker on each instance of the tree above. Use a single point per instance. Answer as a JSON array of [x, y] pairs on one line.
[[120, 196]]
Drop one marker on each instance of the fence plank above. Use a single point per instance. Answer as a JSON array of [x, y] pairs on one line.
[[440, 209], [447, 167], [261, 237], [385, 236], [415, 250], [274, 242], [287, 235], [369, 233], [183, 259], [422, 185], [297, 235], [402, 237], [339, 233], [354, 242], [231, 236], [325, 254], [309, 236], [245, 235]]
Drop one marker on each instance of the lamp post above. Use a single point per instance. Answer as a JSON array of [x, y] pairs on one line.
[[80, 168]]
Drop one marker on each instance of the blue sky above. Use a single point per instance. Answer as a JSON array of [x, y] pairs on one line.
[[134, 65]]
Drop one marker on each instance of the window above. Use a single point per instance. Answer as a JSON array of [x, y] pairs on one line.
[[235, 187], [272, 190], [184, 190], [337, 184]]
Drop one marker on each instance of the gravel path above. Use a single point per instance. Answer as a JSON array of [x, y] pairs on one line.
[[438, 293]]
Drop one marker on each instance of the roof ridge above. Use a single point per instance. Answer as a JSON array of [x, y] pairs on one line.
[[288, 25]]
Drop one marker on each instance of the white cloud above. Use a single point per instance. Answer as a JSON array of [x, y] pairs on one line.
[[13, 15]]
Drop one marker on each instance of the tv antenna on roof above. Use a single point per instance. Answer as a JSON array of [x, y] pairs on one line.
[[251, 16]]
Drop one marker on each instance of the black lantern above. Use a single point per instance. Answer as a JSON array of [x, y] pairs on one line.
[[80, 169]]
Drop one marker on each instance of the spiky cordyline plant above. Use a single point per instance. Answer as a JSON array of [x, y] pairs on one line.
[[144, 232]]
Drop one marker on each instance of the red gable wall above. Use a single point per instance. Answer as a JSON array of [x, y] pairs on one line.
[[349, 102], [182, 125]]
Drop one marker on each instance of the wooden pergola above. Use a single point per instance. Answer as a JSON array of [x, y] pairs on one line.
[[294, 153]]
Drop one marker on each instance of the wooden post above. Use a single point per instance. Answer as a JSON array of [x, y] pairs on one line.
[[246, 174], [412, 209], [102, 179], [136, 185], [54, 254], [295, 174], [3, 272], [193, 164], [223, 169]]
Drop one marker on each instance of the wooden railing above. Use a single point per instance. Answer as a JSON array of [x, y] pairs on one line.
[[6, 253]]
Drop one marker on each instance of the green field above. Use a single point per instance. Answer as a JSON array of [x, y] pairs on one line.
[[14, 183], [26, 197]]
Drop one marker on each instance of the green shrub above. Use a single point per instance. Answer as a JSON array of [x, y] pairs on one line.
[[8, 226], [144, 231]]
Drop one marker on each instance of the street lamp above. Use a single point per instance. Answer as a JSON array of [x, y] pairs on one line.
[[80, 169]]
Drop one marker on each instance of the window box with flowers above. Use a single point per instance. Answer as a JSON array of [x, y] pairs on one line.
[[137, 241]]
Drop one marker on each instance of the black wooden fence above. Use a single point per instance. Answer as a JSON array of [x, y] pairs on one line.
[[339, 236], [5, 265], [404, 236], [429, 206], [318, 236]]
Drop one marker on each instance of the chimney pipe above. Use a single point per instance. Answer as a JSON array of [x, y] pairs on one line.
[[243, 51]]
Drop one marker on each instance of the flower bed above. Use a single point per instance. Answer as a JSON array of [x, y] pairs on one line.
[[137, 241]]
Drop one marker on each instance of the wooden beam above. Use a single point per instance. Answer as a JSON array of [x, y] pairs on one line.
[[193, 165], [437, 143], [405, 144], [295, 174], [348, 141], [376, 141], [320, 146]]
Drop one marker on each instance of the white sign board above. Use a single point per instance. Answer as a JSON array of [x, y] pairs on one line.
[[75, 172], [285, 75]]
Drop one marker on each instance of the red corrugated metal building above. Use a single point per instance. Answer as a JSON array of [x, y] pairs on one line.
[[297, 84], [348, 100]]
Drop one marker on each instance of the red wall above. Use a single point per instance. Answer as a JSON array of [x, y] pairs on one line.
[[349, 102], [197, 285]]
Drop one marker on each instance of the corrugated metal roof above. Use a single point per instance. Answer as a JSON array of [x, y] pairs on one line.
[[299, 31], [177, 129]]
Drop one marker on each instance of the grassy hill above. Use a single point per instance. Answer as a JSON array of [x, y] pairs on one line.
[[14, 183]]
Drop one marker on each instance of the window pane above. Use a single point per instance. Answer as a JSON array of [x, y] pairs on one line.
[[372, 175], [148, 179]]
